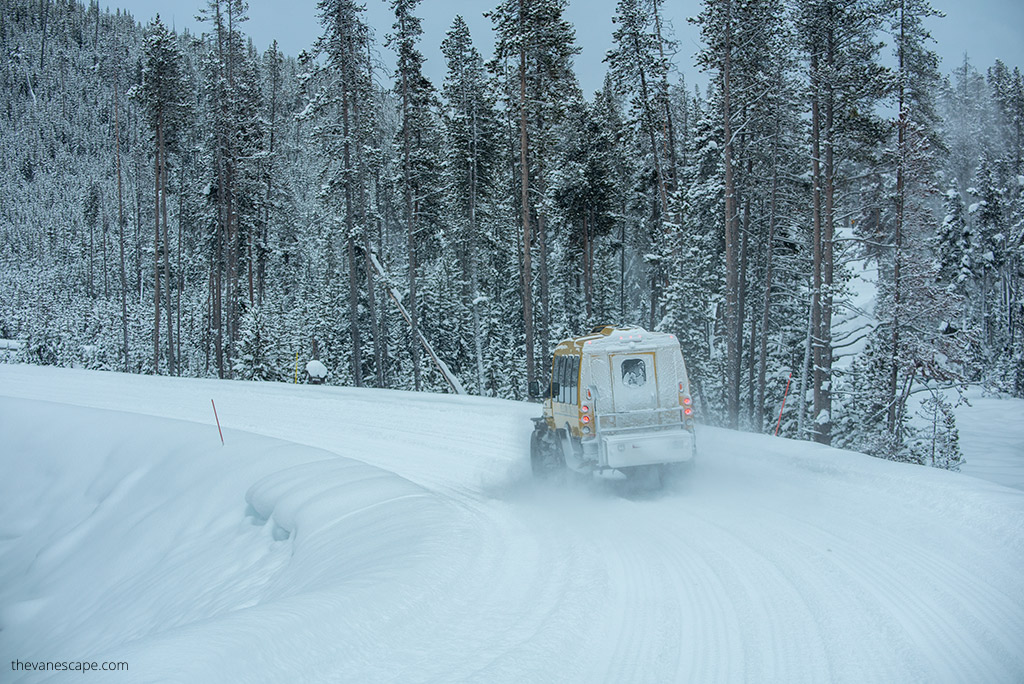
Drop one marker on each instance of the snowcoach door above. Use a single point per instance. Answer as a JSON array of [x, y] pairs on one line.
[[634, 382]]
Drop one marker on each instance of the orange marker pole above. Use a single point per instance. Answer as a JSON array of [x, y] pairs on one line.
[[218, 422], [783, 404]]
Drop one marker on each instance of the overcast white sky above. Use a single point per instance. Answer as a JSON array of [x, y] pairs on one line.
[[985, 29]]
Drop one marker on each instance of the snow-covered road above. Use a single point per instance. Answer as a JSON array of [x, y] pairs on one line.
[[364, 535]]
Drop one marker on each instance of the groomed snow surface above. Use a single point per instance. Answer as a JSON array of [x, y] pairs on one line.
[[346, 535]]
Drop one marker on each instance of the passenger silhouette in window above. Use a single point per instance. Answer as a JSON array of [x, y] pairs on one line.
[[634, 373]]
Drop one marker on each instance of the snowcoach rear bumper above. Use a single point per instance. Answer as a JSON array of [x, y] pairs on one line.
[[638, 449]]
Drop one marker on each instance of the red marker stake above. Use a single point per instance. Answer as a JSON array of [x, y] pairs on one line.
[[218, 422], [783, 404]]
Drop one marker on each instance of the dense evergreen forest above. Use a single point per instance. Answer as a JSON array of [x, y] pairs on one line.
[[186, 205]]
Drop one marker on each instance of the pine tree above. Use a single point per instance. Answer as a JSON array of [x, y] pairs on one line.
[[162, 95], [838, 39], [345, 104], [917, 147], [952, 243], [696, 277], [420, 149], [638, 67], [232, 101], [471, 167], [534, 46]]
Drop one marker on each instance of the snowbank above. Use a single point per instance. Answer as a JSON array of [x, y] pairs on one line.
[[129, 538]]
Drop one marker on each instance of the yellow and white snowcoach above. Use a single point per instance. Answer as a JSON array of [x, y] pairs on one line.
[[618, 399]]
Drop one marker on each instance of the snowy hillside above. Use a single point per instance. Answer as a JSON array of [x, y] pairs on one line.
[[367, 535]]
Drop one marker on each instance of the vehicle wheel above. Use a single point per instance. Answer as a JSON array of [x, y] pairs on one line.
[[545, 455]]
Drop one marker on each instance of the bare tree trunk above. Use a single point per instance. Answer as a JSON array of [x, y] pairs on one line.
[[353, 273], [92, 230], [824, 417], [524, 169], [766, 309], [120, 226], [156, 249], [44, 5], [371, 296], [106, 265], [741, 293], [588, 294], [660, 174], [208, 322], [410, 209], [474, 248], [652, 321], [180, 280], [816, 236], [478, 336], [545, 288], [251, 266], [222, 224], [265, 228], [380, 345], [622, 266], [893, 414], [590, 262], [138, 223], [731, 262], [375, 332], [217, 276], [353, 307], [751, 384], [667, 129], [232, 284], [805, 374], [171, 367], [234, 246]]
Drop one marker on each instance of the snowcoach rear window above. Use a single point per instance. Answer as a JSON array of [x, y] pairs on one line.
[[559, 365], [574, 380], [564, 380], [561, 373], [634, 373]]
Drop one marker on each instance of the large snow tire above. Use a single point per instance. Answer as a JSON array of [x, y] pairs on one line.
[[545, 455]]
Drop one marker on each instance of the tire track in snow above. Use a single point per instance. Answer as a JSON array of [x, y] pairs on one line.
[[924, 609]]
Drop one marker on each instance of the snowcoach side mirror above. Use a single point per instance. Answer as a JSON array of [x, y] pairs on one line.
[[534, 389]]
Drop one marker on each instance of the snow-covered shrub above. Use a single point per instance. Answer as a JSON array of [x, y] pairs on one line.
[[937, 442]]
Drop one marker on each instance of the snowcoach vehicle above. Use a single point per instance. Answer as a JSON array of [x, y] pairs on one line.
[[618, 399]]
